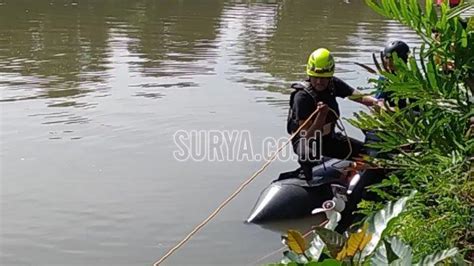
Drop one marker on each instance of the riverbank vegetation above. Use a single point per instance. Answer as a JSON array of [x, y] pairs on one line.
[[433, 135], [365, 246]]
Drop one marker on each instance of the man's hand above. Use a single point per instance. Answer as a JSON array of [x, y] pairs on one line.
[[379, 105], [322, 107]]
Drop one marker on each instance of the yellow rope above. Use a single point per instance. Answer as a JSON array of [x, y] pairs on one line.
[[234, 194]]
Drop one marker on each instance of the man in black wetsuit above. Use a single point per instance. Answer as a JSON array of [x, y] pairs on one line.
[[320, 92]]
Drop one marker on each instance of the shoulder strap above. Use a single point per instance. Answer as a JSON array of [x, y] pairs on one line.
[[300, 85], [312, 93], [297, 86], [306, 87]]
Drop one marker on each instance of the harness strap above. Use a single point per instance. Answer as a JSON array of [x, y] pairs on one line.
[[306, 87]]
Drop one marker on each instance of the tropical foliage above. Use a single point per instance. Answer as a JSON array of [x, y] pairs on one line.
[[360, 247], [431, 137], [428, 146]]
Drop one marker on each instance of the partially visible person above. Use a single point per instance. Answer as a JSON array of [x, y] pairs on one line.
[[402, 50], [374, 176]]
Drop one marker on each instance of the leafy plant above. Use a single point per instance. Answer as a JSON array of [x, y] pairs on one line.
[[429, 144], [362, 246]]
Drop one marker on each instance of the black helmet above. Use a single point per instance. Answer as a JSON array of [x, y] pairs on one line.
[[398, 47]]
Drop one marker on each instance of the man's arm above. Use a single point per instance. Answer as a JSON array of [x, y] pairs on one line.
[[367, 100], [345, 90]]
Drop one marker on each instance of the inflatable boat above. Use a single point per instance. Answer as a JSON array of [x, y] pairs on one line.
[[291, 196]]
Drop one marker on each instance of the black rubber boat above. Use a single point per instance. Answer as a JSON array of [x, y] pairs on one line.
[[291, 196]]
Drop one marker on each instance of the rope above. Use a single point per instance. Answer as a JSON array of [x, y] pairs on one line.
[[343, 129], [234, 194]]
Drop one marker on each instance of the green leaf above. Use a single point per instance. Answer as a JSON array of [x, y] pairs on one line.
[[428, 9], [402, 251], [432, 75], [395, 10], [458, 260], [384, 255], [317, 244], [333, 240], [327, 262], [404, 11], [386, 7], [392, 252], [415, 7], [380, 256], [454, 12], [330, 262], [437, 257], [464, 39], [375, 7], [443, 16], [379, 221]]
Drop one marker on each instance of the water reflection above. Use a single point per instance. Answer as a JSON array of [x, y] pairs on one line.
[[277, 38], [174, 38], [67, 50], [62, 46]]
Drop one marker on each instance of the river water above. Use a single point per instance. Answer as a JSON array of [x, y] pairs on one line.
[[92, 92]]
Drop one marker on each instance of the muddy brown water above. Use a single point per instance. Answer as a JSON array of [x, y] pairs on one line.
[[92, 93]]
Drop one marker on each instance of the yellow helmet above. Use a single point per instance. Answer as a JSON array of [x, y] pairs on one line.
[[320, 64]]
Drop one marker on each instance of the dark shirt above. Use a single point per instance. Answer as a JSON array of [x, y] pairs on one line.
[[304, 105]]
